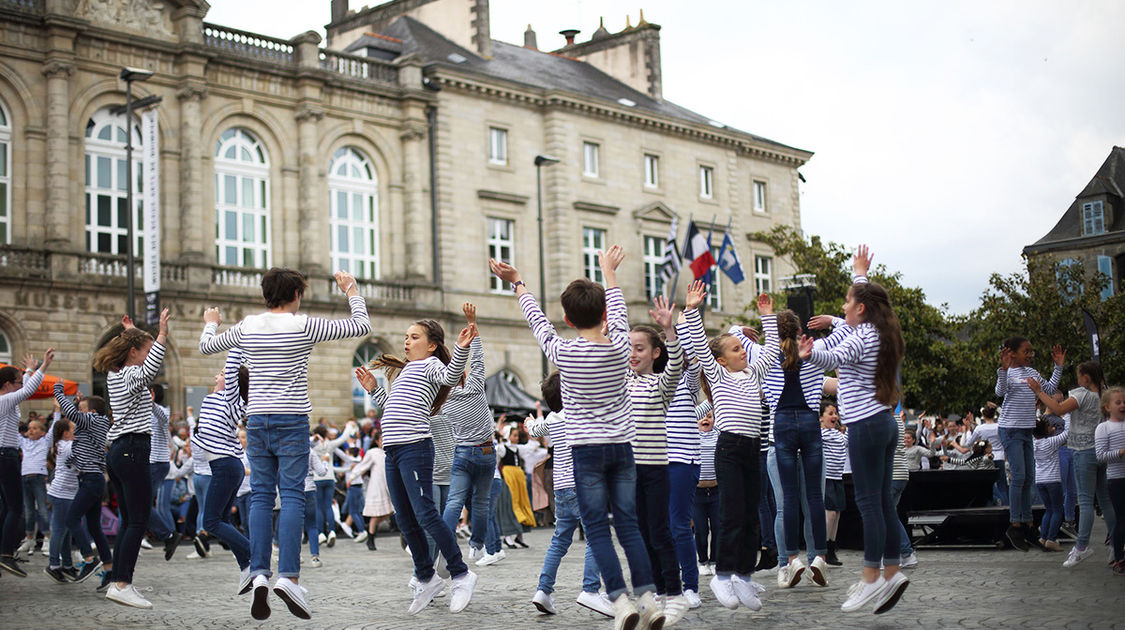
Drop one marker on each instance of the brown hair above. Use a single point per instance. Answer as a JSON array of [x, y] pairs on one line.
[[96, 404], [715, 345], [583, 303], [880, 314], [788, 329], [112, 356], [435, 334], [656, 340], [9, 374], [1093, 371], [282, 286], [62, 425], [244, 383]]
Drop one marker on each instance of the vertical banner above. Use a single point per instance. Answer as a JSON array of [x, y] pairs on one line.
[[150, 169], [1092, 333]]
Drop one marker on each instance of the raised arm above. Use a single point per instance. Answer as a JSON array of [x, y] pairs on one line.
[[474, 384], [696, 335], [362, 467], [449, 374], [232, 393], [358, 325], [80, 420], [538, 426], [840, 331], [850, 350], [765, 361], [30, 382], [1059, 357], [663, 313], [367, 381]]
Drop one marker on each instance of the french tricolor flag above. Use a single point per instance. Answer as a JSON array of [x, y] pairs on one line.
[[697, 253]]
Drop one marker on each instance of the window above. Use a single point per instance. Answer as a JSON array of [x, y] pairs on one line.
[[5, 349], [1069, 276], [714, 291], [107, 219], [353, 196], [706, 182], [500, 245], [763, 274], [652, 171], [1105, 267], [5, 177], [759, 196], [361, 401], [497, 146], [593, 241], [654, 262], [1093, 218], [589, 159], [242, 203]]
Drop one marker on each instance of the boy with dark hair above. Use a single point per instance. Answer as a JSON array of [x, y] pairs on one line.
[[282, 286], [599, 426]]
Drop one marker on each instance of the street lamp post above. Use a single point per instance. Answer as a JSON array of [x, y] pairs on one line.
[[129, 75], [540, 162]]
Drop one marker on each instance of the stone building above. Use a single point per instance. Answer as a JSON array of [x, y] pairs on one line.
[[403, 150], [1092, 230]]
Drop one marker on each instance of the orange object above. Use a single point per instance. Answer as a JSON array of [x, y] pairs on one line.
[[47, 387]]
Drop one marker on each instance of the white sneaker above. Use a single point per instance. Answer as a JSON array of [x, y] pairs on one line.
[[892, 591], [1076, 556], [244, 581], [145, 544], [463, 531], [791, 573], [782, 582], [758, 588], [440, 566], [819, 570], [193, 556], [692, 599], [597, 602], [362, 537], [544, 602], [294, 597], [332, 538], [461, 591], [413, 583], [651, 612], [909, 562], [321, 538], [424, 593], [315, 562], [862, 592], [24, 547], [744, 591], [260, 606], [128, 596], [490, 558], [625, 615], [724, 592], [476, 553], [675, 607], [705, 569]]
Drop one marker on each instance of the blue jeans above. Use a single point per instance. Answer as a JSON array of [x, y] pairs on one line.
[[705, 512], [871, 447], [87, 503], [683, 478], [127, 461], [1000, 488], [1069, 485], [226, 477], [784, 549], [606, 480], [652, 516], [492, 538], [905, 548], [798, 447], [441, 499], [35, 504], [768, 504], [1052, 494], [1115, 488], [160, 521], [566, 521], [60, 535], [323, 505], [1020, 454], [410, 482], [242, 504], [472, 470], [355, 502], [312, 529], [278, 448], [1090, 475], [201, 483]]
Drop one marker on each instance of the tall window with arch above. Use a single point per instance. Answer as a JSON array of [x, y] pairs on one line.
[[107, 216], [5, 349], [361, 402], [354, 199], [5, 176], [242, 200]]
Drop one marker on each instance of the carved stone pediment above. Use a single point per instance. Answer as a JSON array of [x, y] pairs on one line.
[[655, 211], [150, 17]]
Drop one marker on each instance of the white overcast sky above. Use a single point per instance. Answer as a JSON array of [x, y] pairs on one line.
[[947, 135]]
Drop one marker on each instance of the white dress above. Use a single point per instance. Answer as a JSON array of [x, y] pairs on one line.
[[377, 499]]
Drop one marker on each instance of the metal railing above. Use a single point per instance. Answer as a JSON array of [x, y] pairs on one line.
[[25, 6], [358, 67], [246, 44]]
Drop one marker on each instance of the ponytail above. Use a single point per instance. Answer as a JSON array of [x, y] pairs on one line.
[[788, 329], [112, 356]]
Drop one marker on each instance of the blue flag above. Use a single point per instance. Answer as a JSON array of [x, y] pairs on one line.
[[729, 262]]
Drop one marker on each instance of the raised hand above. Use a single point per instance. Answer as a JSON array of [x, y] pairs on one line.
[[212, 316], [609, 260], [466, 335], [48, 356], [162, 330], [1006, 358], [820, 322], [366, 378], [765, 304], [30, 362], [345, 281], [1058, 355], [538, 409], [862, 261], [470, 311], [1033, 383], [127, 322], [696, 293], [804, 347], [504, 271], [750, 333], [662, 311]]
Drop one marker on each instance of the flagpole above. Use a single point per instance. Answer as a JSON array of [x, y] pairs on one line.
[[676, 280], [711, 271]]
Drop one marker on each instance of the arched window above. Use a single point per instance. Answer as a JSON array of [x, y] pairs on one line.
[[106, 215], [354, 199], [5, 176], [5, 349], [361, 401], [242, 202]]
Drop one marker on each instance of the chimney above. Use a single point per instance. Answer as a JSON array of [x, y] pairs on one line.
[[569, 34], [339, 10], [529, 39], [631, 55]]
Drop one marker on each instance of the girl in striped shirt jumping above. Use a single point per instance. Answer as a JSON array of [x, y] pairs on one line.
[[867, 359]]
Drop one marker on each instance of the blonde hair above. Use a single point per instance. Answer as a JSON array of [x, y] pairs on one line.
[[1107, 397]]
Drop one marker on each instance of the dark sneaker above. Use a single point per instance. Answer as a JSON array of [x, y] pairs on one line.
[[1015, 536], [70, 572], [200, 548], [170, 545], [86, 569], [8, 563], [56, 575], [206, 542], [106, 580]]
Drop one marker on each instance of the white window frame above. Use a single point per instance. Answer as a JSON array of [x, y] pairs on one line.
[[97, 152], [365, 352], [1105, 266], [1093, 218], [760, 199], [497, 145], [358, 186], [715, 289], [256, 173], [6, 349], [5, 175], [706, 181], [498, 246], [653, 263], [593, 241], [651, 163], [590, 159], [763, 274]]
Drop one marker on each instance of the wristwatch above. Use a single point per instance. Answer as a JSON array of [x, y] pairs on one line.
[[518, 283]]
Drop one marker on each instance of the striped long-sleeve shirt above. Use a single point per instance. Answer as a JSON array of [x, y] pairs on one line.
[[682, 425], [592, 375], [1109, 439], [65, 483], [276, 348], [129, 398], [707, 443], [650, 395], [158, 445], [10, 409], [1018, 410], [753, 351], [988, 431], [901, 470], [811, 377], [1047, 457], [216, 431], [835, 446], [444, 446], [90, 429], [554, 428], [467, 406], [737, 397], [35, 453], [406, 409]]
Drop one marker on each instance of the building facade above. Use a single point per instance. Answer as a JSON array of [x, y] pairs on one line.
[[403, 150]]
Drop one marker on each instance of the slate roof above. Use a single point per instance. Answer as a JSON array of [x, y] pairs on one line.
[[1110, 181], [538, 69]]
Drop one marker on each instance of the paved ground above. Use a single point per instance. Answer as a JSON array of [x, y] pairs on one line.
[[361, 589]]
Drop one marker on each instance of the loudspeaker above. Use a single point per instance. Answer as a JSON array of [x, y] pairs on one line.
[[801, 304]]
